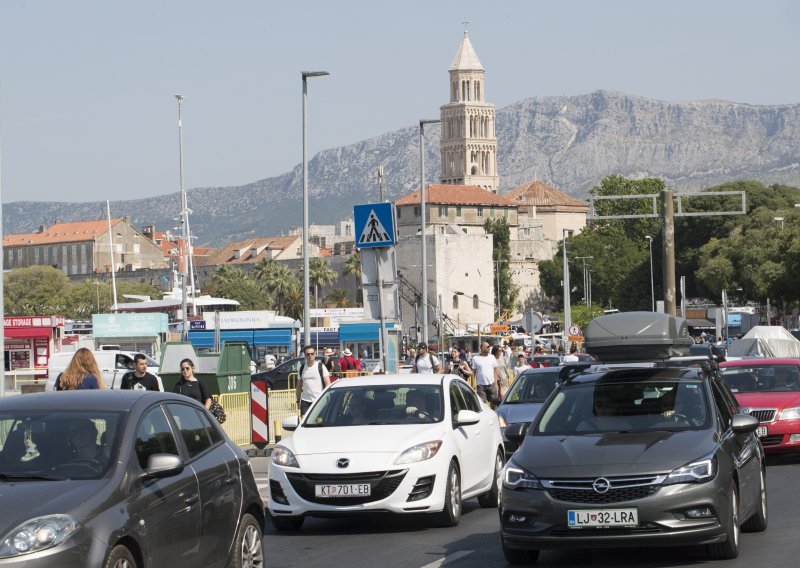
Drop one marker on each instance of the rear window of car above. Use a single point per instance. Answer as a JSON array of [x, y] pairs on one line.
[[762, 378], [531, 387]]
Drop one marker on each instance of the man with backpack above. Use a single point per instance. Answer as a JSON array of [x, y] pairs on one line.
[[311, 380], [349, 363], [425, 362]]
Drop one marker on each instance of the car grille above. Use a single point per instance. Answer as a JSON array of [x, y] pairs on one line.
[[620, 489], [773, 440], [382, 484], [763, 414]]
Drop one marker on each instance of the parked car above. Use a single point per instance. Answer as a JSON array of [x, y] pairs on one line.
[[769, 389], [278, 378], [123, 479], [634, 457], [537, 361], [387, 443], [113, 365]]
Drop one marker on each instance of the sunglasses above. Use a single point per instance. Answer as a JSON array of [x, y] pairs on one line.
[[311, 353], [186, 368]]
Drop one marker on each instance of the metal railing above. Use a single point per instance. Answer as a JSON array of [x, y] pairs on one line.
[[237, 423]]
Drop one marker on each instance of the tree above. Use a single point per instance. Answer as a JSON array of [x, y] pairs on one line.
[[501, 256], [337, 298], [320, 274], [353, 266], [35, 291], [283, 286], [235, 284]]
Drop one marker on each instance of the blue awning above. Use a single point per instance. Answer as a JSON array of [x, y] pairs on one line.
[[272, 337], [322, 339], [359, 332], [202, 339]]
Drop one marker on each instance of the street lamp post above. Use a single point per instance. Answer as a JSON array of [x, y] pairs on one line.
[[567, 306], [423, 222], [652, 286], [306, 279], [497, 264], [585, 278]]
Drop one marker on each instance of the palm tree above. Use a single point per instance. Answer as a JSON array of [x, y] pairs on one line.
[[263, 270], [337, 298], [293, 302], [353, 266], [320, 274], [281, 284]]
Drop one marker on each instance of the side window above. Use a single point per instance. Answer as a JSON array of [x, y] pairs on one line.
[[457, 403], [733, 404], [723, 408], [213, 432], [124, 362], [154, 436], [192, 430], [470, 398]]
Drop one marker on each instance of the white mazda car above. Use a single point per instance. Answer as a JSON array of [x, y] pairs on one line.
[[387, 443]]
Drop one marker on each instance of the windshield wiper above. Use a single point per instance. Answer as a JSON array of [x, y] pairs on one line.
[[29, 477]]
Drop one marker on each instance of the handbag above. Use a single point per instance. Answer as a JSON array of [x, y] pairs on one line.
[[217, 410]]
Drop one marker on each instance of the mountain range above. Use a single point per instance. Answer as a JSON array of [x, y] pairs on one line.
[[569, 142]]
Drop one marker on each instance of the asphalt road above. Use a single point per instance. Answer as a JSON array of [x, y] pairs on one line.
[[412, 542]]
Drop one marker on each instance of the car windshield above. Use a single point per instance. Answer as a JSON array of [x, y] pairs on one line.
[[57, 444], [531, 387], [762, 378], [365, 405], [617, 405]]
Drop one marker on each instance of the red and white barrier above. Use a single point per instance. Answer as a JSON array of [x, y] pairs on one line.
[[259, 414]]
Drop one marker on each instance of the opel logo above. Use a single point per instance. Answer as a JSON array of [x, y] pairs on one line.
[[342, 462], [601, 485]]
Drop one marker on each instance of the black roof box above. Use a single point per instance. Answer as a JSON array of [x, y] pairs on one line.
[[637, 336]]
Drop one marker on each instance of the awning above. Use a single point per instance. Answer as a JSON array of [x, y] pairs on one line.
[[700, 323], [27, 332]]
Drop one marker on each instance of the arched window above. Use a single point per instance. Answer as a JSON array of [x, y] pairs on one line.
[[477, 90], [455, 301], [475, 302]]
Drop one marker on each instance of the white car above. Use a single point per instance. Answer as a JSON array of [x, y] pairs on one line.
[[387, 443]]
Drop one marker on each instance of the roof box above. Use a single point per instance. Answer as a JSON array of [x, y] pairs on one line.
[[637, 336]]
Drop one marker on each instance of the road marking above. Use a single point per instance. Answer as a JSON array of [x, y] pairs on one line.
[[448, 559]]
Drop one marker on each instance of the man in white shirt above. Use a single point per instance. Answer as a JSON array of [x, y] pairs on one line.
[[426, 363], [522, 365], [486, 373], [312, 379]]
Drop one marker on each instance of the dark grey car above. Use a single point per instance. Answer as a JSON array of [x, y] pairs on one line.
[[634, 457], [123, 479]]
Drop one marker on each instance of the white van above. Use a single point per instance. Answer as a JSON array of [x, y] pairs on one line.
[[113, 365]]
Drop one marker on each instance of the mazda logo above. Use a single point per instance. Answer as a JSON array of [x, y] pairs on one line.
[[342, 462], [601, 485]]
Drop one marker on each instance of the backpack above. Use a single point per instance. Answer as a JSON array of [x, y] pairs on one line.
[[320, 366]]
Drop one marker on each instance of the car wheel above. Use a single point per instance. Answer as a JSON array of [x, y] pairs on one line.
[[282, 523], [451, 514], [120, 557], [519, 555], [491, 498], [248, 548], [730, 548], [758, 522]]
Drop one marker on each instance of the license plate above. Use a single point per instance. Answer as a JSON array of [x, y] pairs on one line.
[[761, 431], [343, 490], [579, 518]]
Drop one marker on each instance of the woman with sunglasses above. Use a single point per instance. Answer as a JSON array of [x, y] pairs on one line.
[[191, 386]]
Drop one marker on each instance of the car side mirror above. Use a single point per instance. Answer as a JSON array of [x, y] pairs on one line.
[[516, 432], [744, 423], [163, 465], [290, 423], [467, 417]]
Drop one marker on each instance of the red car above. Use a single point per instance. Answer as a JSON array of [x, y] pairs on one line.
[[769, 389]]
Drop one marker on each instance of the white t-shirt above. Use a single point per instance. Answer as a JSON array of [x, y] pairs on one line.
[[312, 382], [269, 361], [424, 363], [570, 359], [520, 368], [484, 366]]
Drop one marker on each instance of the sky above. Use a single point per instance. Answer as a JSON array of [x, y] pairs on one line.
[[87, 107]]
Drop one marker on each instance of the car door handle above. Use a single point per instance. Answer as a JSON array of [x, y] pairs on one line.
[[192, 499], [231, 480]]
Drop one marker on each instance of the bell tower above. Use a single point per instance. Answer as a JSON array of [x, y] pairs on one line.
[[468, 143]]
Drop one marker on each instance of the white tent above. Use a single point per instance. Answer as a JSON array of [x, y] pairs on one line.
[[766, 341]]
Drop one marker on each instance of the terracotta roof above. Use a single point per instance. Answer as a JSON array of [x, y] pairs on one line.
[[540, 194], [445, 194], [62, 233], [225, 255]]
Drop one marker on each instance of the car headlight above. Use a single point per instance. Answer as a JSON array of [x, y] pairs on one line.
[[695, 472], [502, 420], [418, 453], [284, 456], [38, 534], [517, 478], [790, 413]]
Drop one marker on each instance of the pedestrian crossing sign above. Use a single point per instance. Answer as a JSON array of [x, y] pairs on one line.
[[374, 225]]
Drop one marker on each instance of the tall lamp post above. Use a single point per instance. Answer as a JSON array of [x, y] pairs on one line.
[[652, 286], [306, 279], [423, 222], [497, 264], [567, 306]]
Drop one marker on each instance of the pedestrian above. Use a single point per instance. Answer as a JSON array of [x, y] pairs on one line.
[[270, 361], [349, 363], [503, 371], [522, 366], [330, 363], [507, 354], [468, 355], [573, 354], [312, 379], [425, 362], [486, 374], [412, 354], [139, 379], [82, 373], [191, 386], [458, 366]]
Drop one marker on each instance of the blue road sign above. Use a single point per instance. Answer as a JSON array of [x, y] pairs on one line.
[[374, 225]]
